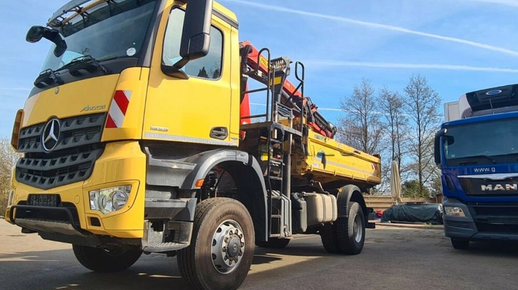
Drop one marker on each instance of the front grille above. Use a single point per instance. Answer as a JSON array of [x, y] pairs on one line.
[[71, 160], [495, 219], [74, 132], [490, 187], [508, 210]]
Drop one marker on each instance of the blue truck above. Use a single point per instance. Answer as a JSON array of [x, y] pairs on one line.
[[477, 151]]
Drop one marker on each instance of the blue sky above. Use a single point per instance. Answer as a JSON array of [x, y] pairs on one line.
[[459, 46]]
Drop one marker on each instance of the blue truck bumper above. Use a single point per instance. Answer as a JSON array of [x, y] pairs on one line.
[[473, 226]]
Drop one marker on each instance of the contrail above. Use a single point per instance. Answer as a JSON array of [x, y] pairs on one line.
[[409, 66], [380, 26]]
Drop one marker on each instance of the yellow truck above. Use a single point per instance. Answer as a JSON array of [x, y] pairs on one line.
[[137, 138]]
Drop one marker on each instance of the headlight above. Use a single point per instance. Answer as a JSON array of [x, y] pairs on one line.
[[110, 199], [454, 211], [10, 198]]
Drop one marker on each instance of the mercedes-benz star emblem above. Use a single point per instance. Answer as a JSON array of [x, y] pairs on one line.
[[50, 136]]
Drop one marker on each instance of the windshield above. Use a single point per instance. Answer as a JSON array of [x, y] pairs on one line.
[[113, 29], [482, 143]]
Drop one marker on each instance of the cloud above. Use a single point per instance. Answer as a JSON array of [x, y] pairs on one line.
[[383, 26], [409, 66]]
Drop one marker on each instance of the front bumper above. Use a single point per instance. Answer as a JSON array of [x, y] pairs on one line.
[[122, 163], [478, 227]]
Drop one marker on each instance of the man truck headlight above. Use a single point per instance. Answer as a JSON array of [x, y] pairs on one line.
[[109, 199], [454, 211]]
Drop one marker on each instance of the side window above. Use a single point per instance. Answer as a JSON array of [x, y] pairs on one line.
[[206, 67]]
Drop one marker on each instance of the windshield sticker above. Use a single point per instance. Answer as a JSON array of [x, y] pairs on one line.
[[131, 51]]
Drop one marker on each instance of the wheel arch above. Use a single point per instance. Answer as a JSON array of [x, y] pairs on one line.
[[346, 195], [247, 175]]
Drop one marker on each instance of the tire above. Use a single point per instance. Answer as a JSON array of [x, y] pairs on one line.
[[222, 246], [104, 261], [329, 239], [350, 232], [274, 243], [459, 244]]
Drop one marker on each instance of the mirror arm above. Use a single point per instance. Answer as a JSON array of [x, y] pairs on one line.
[[181, 63]]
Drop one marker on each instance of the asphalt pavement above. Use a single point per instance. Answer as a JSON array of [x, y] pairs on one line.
[[394, 257]]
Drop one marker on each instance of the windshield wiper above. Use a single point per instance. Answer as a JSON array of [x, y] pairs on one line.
[[48, 78], [85, 62], [477, 156]]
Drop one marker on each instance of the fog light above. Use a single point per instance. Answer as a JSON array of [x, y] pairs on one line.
[[454, 211], [109, 199]]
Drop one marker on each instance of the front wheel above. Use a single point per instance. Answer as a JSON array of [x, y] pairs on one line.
[[222, 246], [350, 232], [107, 260]]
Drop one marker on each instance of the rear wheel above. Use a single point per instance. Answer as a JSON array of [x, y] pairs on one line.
[[274, 243], [104, 260], [459, 244], [222, 246], [350, 232]]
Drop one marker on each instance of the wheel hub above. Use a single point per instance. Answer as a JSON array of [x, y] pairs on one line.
[[228, 246], [357, 229], [234, 246]]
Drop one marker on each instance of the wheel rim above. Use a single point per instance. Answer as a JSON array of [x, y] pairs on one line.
[[357, 229], [228, 246]]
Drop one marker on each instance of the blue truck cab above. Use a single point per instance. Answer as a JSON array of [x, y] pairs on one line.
[[477, 152]]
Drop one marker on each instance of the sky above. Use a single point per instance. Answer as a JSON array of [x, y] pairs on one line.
[[458, 45]]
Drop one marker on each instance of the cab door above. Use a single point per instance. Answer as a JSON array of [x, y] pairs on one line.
[[197, 109]]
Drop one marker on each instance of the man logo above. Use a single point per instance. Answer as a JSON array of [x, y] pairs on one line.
[[50, 136], [498, 187]]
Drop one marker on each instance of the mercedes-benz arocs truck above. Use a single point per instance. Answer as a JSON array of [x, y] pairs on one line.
[[477, 151], [137, 137]]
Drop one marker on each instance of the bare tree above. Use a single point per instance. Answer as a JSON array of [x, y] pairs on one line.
[[8, 158], [422, 105], [397, 123], [361, 127]]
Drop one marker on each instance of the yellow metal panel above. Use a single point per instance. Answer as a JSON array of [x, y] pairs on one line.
[[186, 110], [133, 80], [79, 96], [122, 163], [235, 82], [330, 160]]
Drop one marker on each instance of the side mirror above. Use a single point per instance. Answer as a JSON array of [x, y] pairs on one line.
[[35, 34], [196, 31], [437, 146]]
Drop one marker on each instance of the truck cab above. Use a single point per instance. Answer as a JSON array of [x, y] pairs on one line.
[[477, 153]]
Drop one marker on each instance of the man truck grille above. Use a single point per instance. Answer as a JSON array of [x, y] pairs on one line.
[[70, 160]]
